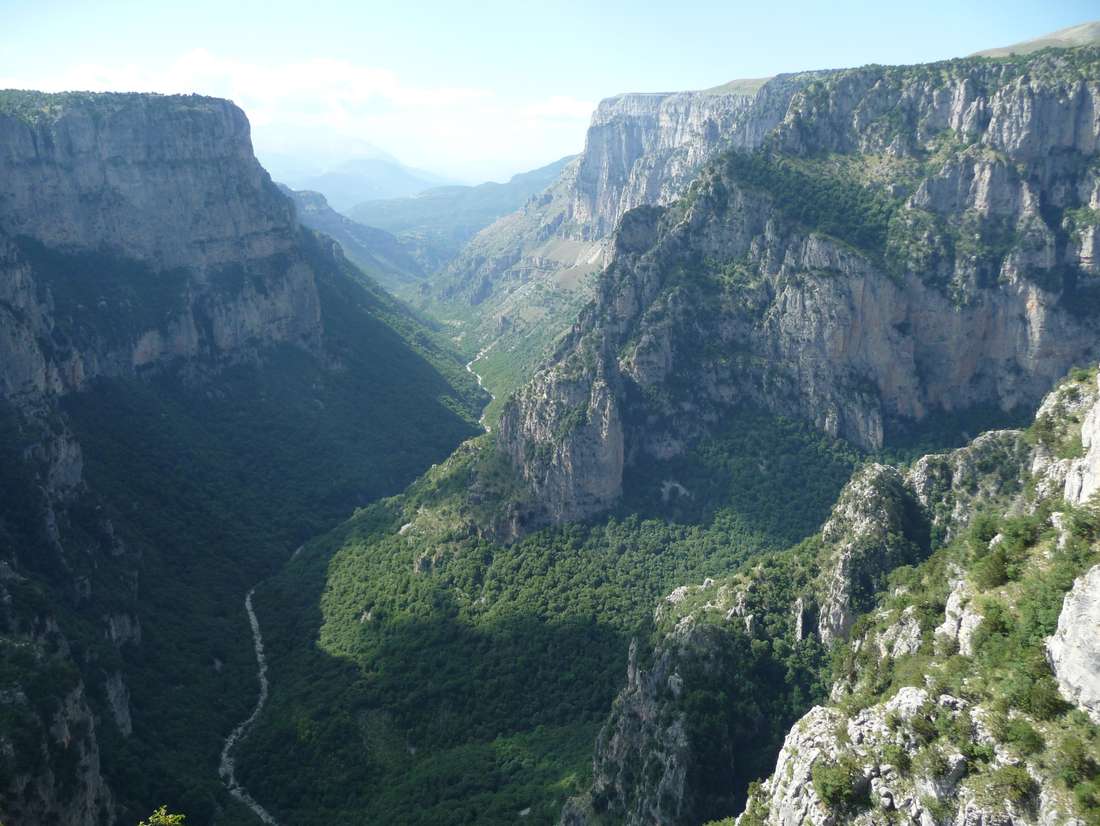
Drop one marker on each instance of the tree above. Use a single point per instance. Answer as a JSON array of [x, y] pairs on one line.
[[161, 818]]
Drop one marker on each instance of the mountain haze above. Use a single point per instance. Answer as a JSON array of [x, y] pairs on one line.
[[395, 264], [365, 179], [443, 219]]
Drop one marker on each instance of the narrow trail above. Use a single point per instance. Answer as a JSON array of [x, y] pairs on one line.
[[227, 766], [470, 369]]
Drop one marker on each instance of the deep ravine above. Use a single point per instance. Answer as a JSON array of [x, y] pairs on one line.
[[470, 369], [227, 767]]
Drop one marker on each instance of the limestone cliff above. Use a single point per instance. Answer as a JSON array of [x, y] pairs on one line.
[[646, 148], [640, 149], [1075, 647], [165, 194], [909, 241]]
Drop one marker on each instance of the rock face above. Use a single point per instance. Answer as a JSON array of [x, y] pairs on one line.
[[1074, 649], [170, 180], [165, 189], [70, 791], [759, 287], [1083, 475], [866, 526], [581, 424]]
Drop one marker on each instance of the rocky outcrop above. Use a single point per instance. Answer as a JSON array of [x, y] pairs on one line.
[[750, 290], [1074, 650], [570, 432], [1083, 474], [867, 529], [950, 486], [641, 715], [118, 700], [869, 757], [960, 619]]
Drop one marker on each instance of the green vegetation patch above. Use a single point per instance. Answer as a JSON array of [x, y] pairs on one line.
[[449, 641], [821, 197]]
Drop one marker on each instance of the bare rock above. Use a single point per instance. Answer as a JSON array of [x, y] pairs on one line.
[[1074, 649]]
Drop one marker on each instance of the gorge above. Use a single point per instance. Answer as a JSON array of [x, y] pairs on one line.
[[782, 509]]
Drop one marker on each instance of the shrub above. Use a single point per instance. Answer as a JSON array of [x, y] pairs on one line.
[[1010, 783], [1043, 700], [898, 757], [161, 817], [1020, 733], [840, 784], [992, 570], [1073, 763]]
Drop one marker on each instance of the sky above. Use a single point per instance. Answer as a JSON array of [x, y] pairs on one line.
[[471, 90]]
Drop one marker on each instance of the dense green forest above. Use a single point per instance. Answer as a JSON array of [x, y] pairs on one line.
[[472, 676]]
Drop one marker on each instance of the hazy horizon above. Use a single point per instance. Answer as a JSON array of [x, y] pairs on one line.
[[441, 92]]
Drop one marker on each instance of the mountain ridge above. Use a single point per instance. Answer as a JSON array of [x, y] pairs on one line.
[[736, 223], [1083, 34]]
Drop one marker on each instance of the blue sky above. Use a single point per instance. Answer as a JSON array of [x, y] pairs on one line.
[[474, 90]]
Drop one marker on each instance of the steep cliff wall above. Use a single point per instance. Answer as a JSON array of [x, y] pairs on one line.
[[136, 230], [167, 179], [645, 149], [639, 149], [910, 241]]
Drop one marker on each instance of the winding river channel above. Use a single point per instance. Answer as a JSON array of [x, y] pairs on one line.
[[227, 766], [470, 369]]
